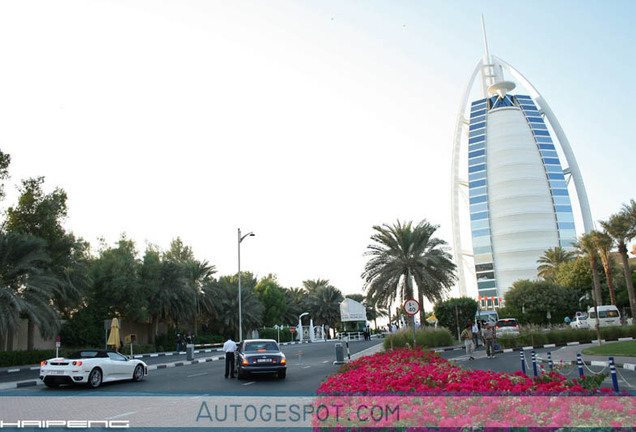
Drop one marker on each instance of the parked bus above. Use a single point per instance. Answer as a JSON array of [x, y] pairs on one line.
[[489, 316]]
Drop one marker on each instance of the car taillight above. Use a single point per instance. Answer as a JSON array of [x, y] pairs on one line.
[[77, 363], [244, 362], [43, 363], [283, 361], [517, 326]]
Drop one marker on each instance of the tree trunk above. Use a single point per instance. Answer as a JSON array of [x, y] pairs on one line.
[[10, 335], [30, 334], [595, 278], [622, 249], [610, 282], [420, 299]]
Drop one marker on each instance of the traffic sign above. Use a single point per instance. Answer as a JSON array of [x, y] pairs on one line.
[[292, 329], [411, 307]]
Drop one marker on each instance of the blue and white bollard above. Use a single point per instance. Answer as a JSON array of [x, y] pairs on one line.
[[613, 372], [523, 361], [579, 362], [534, 363], [550, 365]]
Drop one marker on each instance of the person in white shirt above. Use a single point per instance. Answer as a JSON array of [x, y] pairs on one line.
[[229, 347]]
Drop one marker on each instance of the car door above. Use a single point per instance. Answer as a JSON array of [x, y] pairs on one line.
[[119, 366]]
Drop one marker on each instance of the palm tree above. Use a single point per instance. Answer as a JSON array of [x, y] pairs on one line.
[[323, 305], [551, 260], [587, 247], [26, 288], [622, 228], [197, 274], [403, 255], [604, 244], [296, 299]]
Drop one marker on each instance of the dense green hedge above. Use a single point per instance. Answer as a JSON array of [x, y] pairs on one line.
[[537, 337], [424, 337]]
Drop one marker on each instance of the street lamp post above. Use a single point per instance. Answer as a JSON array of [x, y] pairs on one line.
[[300, 325], [240, 239]]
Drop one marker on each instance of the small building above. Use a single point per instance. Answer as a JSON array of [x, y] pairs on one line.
[[353, 315]]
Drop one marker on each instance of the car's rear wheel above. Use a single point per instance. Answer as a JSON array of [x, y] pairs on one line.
[[95, 378], [282, 374], [240, 374], [138, 374]]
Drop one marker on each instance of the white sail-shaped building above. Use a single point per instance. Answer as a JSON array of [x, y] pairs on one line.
[[511, 167]]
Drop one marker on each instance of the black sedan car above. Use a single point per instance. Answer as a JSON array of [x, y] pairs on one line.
[[258, 356]]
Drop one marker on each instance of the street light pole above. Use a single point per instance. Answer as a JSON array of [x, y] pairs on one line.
[[240, 239]]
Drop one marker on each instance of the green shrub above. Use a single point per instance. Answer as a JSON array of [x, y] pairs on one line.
[[424, 337], [270, 333]]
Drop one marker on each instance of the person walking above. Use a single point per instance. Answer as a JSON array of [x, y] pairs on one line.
[[467, 337], [229, 347], [476, 335], [489, 334]]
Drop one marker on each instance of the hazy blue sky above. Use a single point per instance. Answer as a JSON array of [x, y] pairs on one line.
[[307, 122]]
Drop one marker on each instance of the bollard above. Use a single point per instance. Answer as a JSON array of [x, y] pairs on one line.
[[523, 361], [300, 357], [550, 365], [579, 362], [190, 352], [613, 371], [534, 363], [339, 354], [348, 353]]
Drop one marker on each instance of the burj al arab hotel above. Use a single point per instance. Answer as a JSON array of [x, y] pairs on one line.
[[511, 176]]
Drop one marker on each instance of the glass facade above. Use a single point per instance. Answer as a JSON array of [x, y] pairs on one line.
[[485, 267]]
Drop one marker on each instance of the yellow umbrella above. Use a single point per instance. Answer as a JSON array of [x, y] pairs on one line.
[[113, 338], [432, 318]]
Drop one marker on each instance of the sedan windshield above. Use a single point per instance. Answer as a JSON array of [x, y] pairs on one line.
[[507, 323], [261, 346]]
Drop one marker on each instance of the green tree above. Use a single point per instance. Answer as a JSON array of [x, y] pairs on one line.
[[551, 260], [26, 287], [587, 247], [5, 161], [273, 298], [455, 313], [296, 305], [531, 301], [403, 255], [622, 228], [198, 273], [575, 274]]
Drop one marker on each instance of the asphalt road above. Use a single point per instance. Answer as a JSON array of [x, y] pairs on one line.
[[307, 366]]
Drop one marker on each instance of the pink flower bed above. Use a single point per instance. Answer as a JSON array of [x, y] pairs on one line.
[[417, 371], [417, 389]]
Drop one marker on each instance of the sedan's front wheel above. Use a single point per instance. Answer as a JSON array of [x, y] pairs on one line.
[[95, 378]]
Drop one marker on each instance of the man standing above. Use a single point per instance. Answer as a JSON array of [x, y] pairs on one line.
[[490, 335], [229, 347], [475, 330], [467, 337]]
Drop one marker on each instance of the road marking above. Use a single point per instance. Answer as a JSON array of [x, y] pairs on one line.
[[327, 361], [249, 383], [196, 375], [121, 415], [305, 367]]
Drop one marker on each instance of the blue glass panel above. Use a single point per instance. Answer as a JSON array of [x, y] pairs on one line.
[[477, 132], [523, 97], [477, 139], [567, 234], [477, 126], [479, 119], [535, 119], [479, 224], [477, 153], [546, 146], [477, 160], [558, 184], [560, 192], [560, 208], [554, 169], [549, 154], [478, 208], [566, 243], [477, 175], [478, 101], [485, 276], [486, 284], [561, 200], [477, 146], [478, 191], [566, 225], [565, 217], [478, 113], [537, 126], [551, 161], [477, 183], [481, 232], [478, 216], [543, 139], [476, 168], [480, 199], [556, 176], [482, 249], [541, 132]]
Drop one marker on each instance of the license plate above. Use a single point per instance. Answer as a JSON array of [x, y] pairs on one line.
[[263, 360], [56, 372]]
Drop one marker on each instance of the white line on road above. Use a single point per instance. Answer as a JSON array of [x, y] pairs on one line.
[[249, 383], [196, 375], [305, 367]]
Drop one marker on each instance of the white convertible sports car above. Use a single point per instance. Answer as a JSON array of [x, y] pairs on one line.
[[91, 367]]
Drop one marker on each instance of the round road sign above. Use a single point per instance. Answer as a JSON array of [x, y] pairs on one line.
[[411, 307]]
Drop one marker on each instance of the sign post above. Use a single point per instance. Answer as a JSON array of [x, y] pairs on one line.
[[412, 307], [58, 342]]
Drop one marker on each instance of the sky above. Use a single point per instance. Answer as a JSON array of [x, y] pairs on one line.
[[305, 122]]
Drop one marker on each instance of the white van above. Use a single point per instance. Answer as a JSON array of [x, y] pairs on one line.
[[608, 315], [488, 316]]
